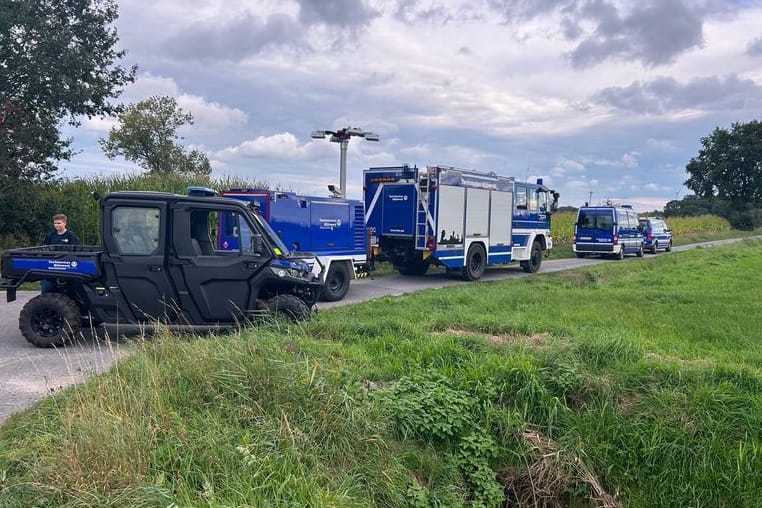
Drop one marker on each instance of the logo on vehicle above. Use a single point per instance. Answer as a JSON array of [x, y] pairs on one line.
[[330, 224]]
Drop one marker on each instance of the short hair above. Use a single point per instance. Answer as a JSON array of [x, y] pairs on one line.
[[59, 216]]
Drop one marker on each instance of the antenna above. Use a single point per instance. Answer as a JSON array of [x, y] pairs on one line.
[[526, 178]]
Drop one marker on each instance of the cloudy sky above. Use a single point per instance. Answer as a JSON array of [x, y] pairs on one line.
[[606, 97]]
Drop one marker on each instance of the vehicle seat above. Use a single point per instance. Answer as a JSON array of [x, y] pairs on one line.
[[196, 246]]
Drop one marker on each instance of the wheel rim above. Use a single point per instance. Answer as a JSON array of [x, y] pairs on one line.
[[336, 283], [536, 256], [47, 323], [476, 262]]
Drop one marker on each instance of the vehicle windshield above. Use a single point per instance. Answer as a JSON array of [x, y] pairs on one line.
[[595, 219], [656, 224], [274, 238]]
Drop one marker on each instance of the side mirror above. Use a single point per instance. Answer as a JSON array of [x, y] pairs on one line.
[[257, 244]]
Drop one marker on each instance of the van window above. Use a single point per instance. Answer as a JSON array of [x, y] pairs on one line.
[[596, 219]]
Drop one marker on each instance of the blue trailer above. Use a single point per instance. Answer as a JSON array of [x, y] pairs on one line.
[[333, 229], [463, 220]]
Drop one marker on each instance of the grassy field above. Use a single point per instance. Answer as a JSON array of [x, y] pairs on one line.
[[636, 384]]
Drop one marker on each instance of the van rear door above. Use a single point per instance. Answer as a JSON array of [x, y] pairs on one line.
[[594, 231]]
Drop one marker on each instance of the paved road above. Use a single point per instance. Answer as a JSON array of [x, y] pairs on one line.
[[28, 374]]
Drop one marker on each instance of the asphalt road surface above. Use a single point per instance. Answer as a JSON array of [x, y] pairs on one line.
[[28, 374]]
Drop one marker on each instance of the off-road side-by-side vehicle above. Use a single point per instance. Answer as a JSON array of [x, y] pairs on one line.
[[158, 263]]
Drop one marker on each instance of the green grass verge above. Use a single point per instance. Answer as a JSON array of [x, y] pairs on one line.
[[635, 382]]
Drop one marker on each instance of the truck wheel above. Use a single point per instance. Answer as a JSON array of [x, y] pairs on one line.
[[476, 262], [640, 252], [336, 283], [669, 247], [290, 307], [532, 265], [50, 319], [417, 267], [580, 255], [655, 248]]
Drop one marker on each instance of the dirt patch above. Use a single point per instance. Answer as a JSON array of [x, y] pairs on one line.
[[537, 339]]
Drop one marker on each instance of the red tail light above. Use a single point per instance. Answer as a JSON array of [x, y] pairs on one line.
[[430, 243], [616, 239], [650, 236]]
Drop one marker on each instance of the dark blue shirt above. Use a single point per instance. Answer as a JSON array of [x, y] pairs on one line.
[[68, 238]]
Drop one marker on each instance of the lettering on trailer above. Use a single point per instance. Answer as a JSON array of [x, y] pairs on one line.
[[56, 265], [489, 182], [397, 197]]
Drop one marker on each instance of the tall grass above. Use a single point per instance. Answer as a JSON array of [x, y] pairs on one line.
[[632, 383]]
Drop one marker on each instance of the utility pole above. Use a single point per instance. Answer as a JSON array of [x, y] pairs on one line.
[[342, 136]]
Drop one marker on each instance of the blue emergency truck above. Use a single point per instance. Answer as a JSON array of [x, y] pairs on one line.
[[463, 220], [333, 229]]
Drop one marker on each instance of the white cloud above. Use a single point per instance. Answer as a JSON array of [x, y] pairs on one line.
[[99, 124], [278, 146], [211, 115]]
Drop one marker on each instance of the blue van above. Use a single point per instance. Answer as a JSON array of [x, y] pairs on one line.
[[607, 231], [656, 234]]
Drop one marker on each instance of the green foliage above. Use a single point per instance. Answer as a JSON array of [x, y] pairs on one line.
[[28, 217], [58, 61], [429, 408], [727, 173], [147, 135], [729, 165]]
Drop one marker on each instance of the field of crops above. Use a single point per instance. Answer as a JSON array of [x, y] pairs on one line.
[[562, 226]]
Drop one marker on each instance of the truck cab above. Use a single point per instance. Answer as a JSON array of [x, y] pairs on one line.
[[158, 262]]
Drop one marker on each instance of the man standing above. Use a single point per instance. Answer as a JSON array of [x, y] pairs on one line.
[[59, 235]]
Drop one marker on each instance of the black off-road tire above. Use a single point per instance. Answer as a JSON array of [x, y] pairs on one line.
[[580, 255], [476, 262], [49, 320], [669, 247], [533, 264], [620, 255], [640, 252], [289, 306], [336, 283], [655, 248]]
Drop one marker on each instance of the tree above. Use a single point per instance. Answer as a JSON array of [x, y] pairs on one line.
[[729, 166], [147, 135], [57, 61]]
